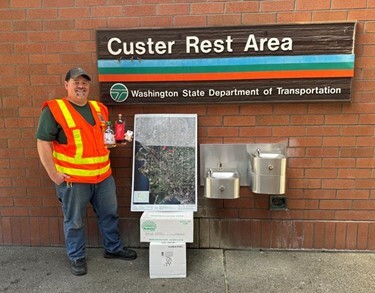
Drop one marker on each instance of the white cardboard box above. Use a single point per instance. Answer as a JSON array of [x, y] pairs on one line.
[[167, 260], [167, 226]]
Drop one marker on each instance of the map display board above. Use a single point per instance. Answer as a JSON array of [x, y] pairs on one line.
[[164, 162]]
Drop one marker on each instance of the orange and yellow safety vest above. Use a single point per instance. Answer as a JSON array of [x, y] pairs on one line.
[[84, 158]]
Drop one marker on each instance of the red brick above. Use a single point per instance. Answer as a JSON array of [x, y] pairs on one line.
[[204, 121], [89, 24], [92, 232], [352, 194], [262, 109], [365, 141], [223, 131], [345, 4], [237, 234], [57, 3], [239, 120], [276, 234], [282, 5], [58, 25], [356, 130], [44, 231], [339, 141], [354, 215], [25, 231], [214, 232], [13, 37], [272, 120], [289, 131], [6, 49], [43, 13], [341, 235], [14, 212], [13, 14], [43, 37], [312, 4], [354, 173], [219, 20], [207, 8], [190, 21], [240, 203], [53, 229], [255, 131], [26, 4], [220, 110], [305, 141], [266, 234], [365, 183], [16, 233], [242, 7], [367, 119], [43, 212], [371, 237], [338, 162], [5, 4], [303, 162], [34, 231], [34, 25], [6, 229], [291, 17], [319, 214], [319, 235], [338, 183], [320, 173], [5, 26], [329, 235], [322, 130], [27, 202], [356, 152], [308, 235], [307, 119], [335, 204], [320, 152], [363, 204], [259, 18], [362, 236], [173, 9]]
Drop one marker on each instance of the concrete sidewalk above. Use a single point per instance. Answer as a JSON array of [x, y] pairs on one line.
[[41, 269]]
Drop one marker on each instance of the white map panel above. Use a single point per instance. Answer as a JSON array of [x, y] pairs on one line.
[[165, 162]]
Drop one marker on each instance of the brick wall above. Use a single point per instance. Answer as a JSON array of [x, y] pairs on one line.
[[330, 187]]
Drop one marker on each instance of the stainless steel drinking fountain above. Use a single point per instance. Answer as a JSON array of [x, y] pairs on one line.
[[222, 184], [223, 169], [268, 172], [226, 167]]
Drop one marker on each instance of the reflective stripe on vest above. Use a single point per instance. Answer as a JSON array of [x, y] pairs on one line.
[[82, 172], [67, 115]]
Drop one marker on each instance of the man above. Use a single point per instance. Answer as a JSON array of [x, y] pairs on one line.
[[71, 148]]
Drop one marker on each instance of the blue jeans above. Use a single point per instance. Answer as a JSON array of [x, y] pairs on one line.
[[74, 199]]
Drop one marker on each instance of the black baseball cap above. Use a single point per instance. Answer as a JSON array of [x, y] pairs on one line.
[[75, 72]]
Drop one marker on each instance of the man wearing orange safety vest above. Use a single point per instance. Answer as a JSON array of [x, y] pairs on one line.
[[71, 148]]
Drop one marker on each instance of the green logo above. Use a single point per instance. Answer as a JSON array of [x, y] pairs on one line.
[[148, 226], [119, 92]]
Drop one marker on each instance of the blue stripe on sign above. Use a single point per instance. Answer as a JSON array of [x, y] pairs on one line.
[[228, 61]]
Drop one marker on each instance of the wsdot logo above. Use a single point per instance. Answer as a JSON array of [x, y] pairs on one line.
[[119, 92]]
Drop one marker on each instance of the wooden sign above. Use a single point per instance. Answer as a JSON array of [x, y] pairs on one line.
[[269, 63]]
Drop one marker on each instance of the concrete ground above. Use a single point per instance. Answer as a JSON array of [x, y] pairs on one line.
[[41, 269]]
